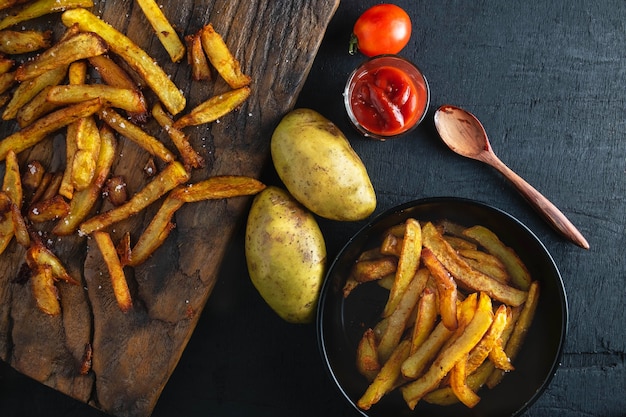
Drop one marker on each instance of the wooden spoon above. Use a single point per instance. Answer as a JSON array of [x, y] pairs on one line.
[[465, 135]]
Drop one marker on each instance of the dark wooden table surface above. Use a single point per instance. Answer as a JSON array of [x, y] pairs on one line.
[[548, 81]]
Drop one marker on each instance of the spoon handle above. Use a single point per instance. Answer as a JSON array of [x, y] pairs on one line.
[[551, 213]]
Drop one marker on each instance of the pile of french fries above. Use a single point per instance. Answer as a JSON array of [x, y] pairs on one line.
[[459, 307], [54, 90]]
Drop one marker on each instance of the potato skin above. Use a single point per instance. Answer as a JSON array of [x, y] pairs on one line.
[[320, 169], [285, 254]]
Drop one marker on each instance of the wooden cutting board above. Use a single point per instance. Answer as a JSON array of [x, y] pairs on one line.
[[134, 353]]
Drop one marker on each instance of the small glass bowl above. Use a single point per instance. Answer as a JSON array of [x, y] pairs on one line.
[[409, 72]]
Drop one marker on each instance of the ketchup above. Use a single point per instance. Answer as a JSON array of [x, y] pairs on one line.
[[386, 100]]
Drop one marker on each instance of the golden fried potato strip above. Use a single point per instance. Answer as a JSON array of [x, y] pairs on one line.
[[14, 43], [407, 264], [44, 291], [222, 59], [131, 131], [163, 29], [367, 361], [399, 319], [74, 48], [190, 157], [214, 108], [446, 289], [520, 276], [116, 271]]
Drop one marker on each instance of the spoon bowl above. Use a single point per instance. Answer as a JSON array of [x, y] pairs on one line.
[[463, 133]]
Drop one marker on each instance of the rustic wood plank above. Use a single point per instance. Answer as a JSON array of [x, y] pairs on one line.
[[135, 353]]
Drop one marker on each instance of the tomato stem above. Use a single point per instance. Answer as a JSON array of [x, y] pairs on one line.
[[353, 45]]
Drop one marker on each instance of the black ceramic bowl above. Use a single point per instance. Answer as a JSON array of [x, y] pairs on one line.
[[341, 322]]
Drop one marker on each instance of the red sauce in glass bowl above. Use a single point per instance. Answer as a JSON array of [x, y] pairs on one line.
[[386, 96]]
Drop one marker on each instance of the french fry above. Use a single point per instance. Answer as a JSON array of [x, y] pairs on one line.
[[44, 291], [446, 289], [20, 230], [214, 108], [459, 243], [170, 95], [481, 351], [466, 275], [499, 357], [40, 8], [163, 29], [196, 58], [116, 271], [42, 188], [6, 64], [12, 194], [74, 48], [425, 320], [111, 73], [367, 362], [372, 269], [14, 43], [448, 357], [37, 131], [190, 157], [123, 249], [48, 209], [7, 80], [27, 90], [407, 264], [38, 255], [52, 189], [156, 232], [222, 59], [458, 383], [218, 187], [77, 74], [486, 263], [12, 182], [173, 175], [7, 229], [391, 245], [121, 98], [83, 201], [486, 238], [387, 378], [86, 154], [417, 362], [400, 317], [133, 132], [33, 176]]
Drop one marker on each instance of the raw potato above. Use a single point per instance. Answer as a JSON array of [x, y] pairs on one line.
[[285, 254], [320, 169]]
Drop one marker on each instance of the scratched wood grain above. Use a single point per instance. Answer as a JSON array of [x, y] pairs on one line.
[[135, 353]]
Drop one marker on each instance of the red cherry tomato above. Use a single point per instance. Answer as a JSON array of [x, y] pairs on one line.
[[381, 29]]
